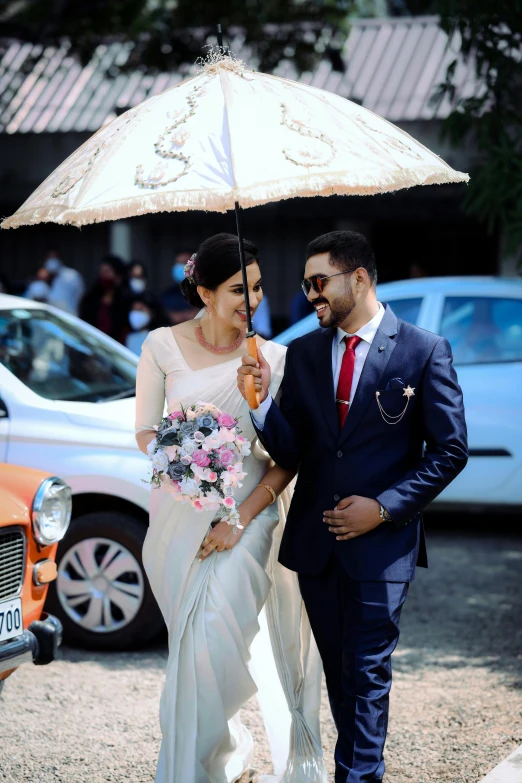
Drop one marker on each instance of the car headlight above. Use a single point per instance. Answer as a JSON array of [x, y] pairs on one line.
[[52, 507]]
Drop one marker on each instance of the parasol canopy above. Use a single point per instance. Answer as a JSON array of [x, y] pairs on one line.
[[229, 138], [225, 136]]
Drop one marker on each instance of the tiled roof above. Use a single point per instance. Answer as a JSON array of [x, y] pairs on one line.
[[392, 67]]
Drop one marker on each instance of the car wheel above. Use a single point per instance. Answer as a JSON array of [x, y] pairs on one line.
[[101, 594]]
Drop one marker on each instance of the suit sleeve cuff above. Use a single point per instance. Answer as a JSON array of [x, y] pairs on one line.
[[260, 414], [386, 500]]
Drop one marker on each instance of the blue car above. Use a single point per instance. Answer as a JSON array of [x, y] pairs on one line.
[[482, 319]]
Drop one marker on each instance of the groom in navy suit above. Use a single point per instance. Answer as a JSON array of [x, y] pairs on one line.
[[372, 418]]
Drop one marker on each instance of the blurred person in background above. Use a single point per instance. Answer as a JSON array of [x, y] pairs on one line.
[[138, 278], [173, 301], [106, 304], [144, 315], [67, 285], [39, 289]]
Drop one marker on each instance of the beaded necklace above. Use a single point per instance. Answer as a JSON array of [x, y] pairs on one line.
[[218, 349]]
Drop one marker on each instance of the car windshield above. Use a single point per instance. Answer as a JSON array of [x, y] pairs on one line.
[[407, 309], [61, 361], [483, 329]]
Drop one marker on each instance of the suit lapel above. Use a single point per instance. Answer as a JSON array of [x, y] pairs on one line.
[[378, 357], [324, 380]]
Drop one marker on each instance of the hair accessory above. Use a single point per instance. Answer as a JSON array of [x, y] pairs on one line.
[[189, 269]]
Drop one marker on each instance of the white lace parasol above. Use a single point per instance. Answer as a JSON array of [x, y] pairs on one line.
[[229, 135]]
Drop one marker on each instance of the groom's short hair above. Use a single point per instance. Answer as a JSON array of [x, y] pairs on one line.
[[347, 249]]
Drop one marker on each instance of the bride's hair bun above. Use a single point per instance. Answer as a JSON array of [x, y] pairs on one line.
[[215, 262]]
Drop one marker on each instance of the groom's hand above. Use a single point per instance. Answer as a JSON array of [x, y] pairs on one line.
[[352, 517], [261, 372]]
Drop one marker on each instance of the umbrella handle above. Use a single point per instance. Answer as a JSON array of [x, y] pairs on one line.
[[251, 394]]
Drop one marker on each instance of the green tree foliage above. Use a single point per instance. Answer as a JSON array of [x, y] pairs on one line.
[[491, 37], [171, 33]]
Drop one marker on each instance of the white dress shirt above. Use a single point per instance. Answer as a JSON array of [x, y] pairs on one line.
[[366, 333]]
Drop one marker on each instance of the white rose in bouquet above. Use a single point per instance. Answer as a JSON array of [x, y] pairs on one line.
[[160, 460], [190, 486], [188, 447]]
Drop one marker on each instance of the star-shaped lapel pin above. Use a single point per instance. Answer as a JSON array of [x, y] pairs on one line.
[[409, 392]]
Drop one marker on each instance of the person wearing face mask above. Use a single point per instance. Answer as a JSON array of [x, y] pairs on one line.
[[138, 277], [106, 304], [66, 285], [172, 299], [144, 316]]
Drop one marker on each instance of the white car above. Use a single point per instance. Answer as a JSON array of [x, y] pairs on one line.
[[67, 399], [482, 319]]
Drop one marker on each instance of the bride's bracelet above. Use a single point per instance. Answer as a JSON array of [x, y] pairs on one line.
[[270, 490]]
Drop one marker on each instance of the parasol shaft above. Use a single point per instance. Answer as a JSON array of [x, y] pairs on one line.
[[250, 331], [252, 396]]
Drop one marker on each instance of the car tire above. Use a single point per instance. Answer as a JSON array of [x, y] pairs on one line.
[[91, 562]]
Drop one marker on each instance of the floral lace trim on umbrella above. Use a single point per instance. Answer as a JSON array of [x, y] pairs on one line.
[[305, 156], [167, 148], [387, 139]]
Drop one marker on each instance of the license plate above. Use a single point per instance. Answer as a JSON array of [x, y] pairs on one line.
[[11, 620]]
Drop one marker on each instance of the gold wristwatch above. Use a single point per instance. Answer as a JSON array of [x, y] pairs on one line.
[[385, 515]]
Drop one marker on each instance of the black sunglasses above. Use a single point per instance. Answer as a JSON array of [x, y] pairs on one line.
[[318, 282]]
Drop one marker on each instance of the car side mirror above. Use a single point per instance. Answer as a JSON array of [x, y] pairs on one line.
[[4, 413]]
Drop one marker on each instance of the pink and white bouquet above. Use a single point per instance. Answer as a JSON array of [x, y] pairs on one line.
[[197, 456]]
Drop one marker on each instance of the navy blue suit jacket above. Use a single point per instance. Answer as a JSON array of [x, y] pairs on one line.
[[404, 466]]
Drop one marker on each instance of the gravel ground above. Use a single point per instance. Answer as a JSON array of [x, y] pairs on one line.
[[456, 704]]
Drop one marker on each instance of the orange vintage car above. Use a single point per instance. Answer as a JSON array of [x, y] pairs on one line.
[[35, 510]]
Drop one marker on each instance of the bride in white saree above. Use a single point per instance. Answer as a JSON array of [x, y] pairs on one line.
[[211, 583]]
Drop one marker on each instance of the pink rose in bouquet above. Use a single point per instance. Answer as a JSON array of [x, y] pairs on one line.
[[225, 420], [226, 456], [201, 458]]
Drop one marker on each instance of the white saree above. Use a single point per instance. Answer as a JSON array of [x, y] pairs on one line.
[[212, 608]]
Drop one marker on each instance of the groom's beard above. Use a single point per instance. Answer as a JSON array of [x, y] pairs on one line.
[[340, 309]]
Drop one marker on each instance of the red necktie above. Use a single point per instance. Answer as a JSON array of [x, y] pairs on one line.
[[344, 387]]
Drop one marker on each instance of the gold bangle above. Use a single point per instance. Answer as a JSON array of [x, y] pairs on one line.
[[269, 489]]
